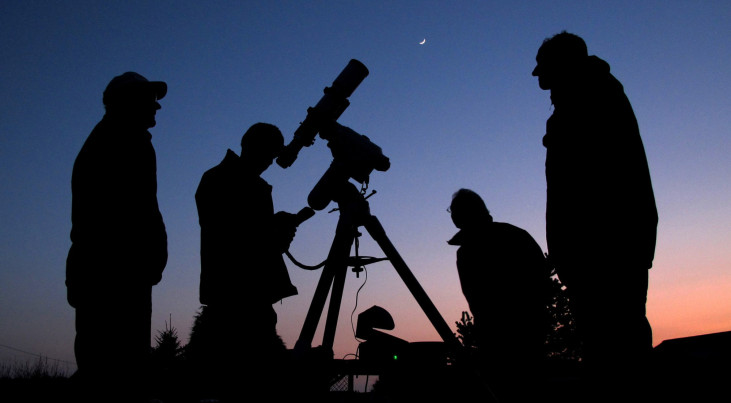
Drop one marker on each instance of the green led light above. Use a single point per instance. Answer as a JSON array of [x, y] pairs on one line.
[[395, 357]]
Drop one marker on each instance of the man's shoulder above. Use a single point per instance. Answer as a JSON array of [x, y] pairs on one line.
[[98, 134], [108, 135], [508, 230], [227, 175], [101, 145], [223, 167], [507, 227]]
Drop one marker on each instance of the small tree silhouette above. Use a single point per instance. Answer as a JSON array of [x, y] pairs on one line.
[[167, 353], [466, 330], [167, 364], [193, 352], [562, 343], [198, 323]]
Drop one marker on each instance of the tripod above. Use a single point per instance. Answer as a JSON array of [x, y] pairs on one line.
[[354, 213]]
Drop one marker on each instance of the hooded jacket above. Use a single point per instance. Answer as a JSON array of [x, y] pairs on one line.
[[600, 202]]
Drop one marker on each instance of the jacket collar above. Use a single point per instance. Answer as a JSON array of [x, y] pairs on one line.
[[466, 235]]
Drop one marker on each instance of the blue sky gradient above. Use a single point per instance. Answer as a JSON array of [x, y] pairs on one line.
[[461, 110]]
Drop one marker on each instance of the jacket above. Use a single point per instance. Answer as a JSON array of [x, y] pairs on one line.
[[506, 282], [600, 202], [240, 260], [118, 235]]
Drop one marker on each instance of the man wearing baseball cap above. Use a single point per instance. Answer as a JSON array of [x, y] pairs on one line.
[[119, 242]]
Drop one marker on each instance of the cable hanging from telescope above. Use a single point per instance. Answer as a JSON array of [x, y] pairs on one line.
[[363, 260], [356, 241], [304, 266]]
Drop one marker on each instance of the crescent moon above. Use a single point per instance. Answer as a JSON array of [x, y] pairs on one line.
[[422, 42]]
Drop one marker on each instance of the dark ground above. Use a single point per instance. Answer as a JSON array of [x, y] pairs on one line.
[[670, 381]]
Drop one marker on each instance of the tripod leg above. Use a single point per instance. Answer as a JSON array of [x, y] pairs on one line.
[[336, 297], [307, 333], [333, 274], [375, 229]]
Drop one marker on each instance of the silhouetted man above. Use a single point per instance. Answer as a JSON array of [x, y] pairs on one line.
[[119, 243], [506, 281], [242, 269], [601, 220]]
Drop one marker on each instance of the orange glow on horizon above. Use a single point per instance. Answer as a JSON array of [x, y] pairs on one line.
[[691, 309]]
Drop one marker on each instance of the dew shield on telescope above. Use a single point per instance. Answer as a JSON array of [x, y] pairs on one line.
[[332, 104], [350, 78]]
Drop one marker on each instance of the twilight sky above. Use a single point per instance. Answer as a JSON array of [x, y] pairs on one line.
[[461, 110]]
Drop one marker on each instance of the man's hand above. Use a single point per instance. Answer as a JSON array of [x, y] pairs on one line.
[[285, 227]]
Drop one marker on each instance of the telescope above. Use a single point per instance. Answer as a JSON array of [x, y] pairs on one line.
[[332, 104], [354, 156]]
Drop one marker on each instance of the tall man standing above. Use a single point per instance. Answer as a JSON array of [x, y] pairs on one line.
[[601, 219], [119, 242]]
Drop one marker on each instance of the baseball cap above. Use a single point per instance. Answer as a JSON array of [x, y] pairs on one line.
[[130, 82]]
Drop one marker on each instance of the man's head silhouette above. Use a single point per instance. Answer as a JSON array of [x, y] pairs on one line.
[[260, 145], [468, 209], [133, 98], [557, 59]]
